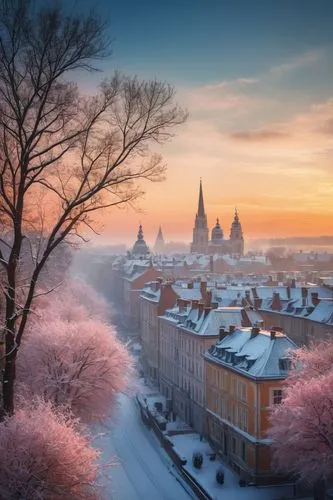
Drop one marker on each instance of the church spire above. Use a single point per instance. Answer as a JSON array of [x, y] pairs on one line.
[[159, 246], [201, 208], [140, 233], [200, 230]]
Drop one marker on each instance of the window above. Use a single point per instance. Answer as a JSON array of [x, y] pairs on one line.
[[234, 445], [234, 414], [242, 391], [276, 396], [243, 451], [222, 406], [243, 417]]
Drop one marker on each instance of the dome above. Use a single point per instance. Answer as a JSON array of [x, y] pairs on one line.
[[217, 233], [140, 247]]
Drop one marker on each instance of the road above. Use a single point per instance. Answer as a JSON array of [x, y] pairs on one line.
[[143, 470]]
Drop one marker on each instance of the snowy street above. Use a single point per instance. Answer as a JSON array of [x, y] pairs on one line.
[[143, 470]]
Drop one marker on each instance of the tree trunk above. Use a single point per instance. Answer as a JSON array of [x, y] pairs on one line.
[[319, 490], [8, 384], [9, 371]]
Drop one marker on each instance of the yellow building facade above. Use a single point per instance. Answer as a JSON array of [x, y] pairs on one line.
[[239, 394]]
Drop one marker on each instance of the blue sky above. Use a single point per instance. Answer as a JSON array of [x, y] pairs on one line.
[[257, 78], [204, 40]]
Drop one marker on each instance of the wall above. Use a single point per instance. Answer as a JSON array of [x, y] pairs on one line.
[[302, 331], [237, 419]]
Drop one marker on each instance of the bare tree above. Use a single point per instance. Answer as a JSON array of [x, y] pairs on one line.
[[63, 156]]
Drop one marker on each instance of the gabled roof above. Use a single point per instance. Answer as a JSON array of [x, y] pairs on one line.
[[256, 356], [209, 323], [323, 313], [187, 293]]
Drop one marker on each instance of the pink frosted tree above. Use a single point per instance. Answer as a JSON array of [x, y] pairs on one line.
[[302, 425], [44, 457], [74, 300], [78, 363]]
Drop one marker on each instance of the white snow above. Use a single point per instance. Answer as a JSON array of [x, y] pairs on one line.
[[261, 348], [186, 444], [144, 471]]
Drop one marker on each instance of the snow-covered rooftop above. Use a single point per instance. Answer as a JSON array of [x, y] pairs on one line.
[[256, 354]]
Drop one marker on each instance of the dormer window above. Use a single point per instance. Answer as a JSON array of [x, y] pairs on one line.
[[250, 363], [285, 364]]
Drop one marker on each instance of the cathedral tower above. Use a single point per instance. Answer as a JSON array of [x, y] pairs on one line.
[[236, 237], [200, 231], [159, 246]]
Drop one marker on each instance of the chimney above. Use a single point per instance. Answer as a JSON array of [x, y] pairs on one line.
[[245, 319], [232, 328], [288, 292], [248, 296], [208, 298], [182, 303], [277, 329], [273, 334], [276, 302], [203, 288], [293, 283], [256, 298], [195, 304], [254, 332], [207, 310], [315, 299], [200, 308], [211, 264], [222, 333], [304, 296], [190, 285]]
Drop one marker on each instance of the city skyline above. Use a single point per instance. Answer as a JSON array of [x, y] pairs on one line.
[[256, 79]]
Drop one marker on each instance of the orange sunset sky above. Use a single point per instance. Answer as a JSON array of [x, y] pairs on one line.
[[257, 80], [278, 175]]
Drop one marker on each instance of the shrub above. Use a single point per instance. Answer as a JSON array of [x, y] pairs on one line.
[[220, 475], [197, 459]]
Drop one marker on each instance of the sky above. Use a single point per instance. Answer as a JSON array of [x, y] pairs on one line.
[[257, 79]]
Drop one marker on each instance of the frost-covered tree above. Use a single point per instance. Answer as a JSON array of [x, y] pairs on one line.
[[73, 300], [302, 425], [64, 155], [44, 457], [71, 358]]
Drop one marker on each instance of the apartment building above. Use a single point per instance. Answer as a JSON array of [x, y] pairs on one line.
[[305, 314], [244, 374], [186, 332], [154, 299]]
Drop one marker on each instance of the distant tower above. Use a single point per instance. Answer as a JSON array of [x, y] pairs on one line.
[[236, 237], [140, 248], [200, 231], [217, 232], [159, 246]]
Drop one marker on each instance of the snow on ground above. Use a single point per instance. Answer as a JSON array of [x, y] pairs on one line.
[[144, 471], [178, 426], [186, 444]]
